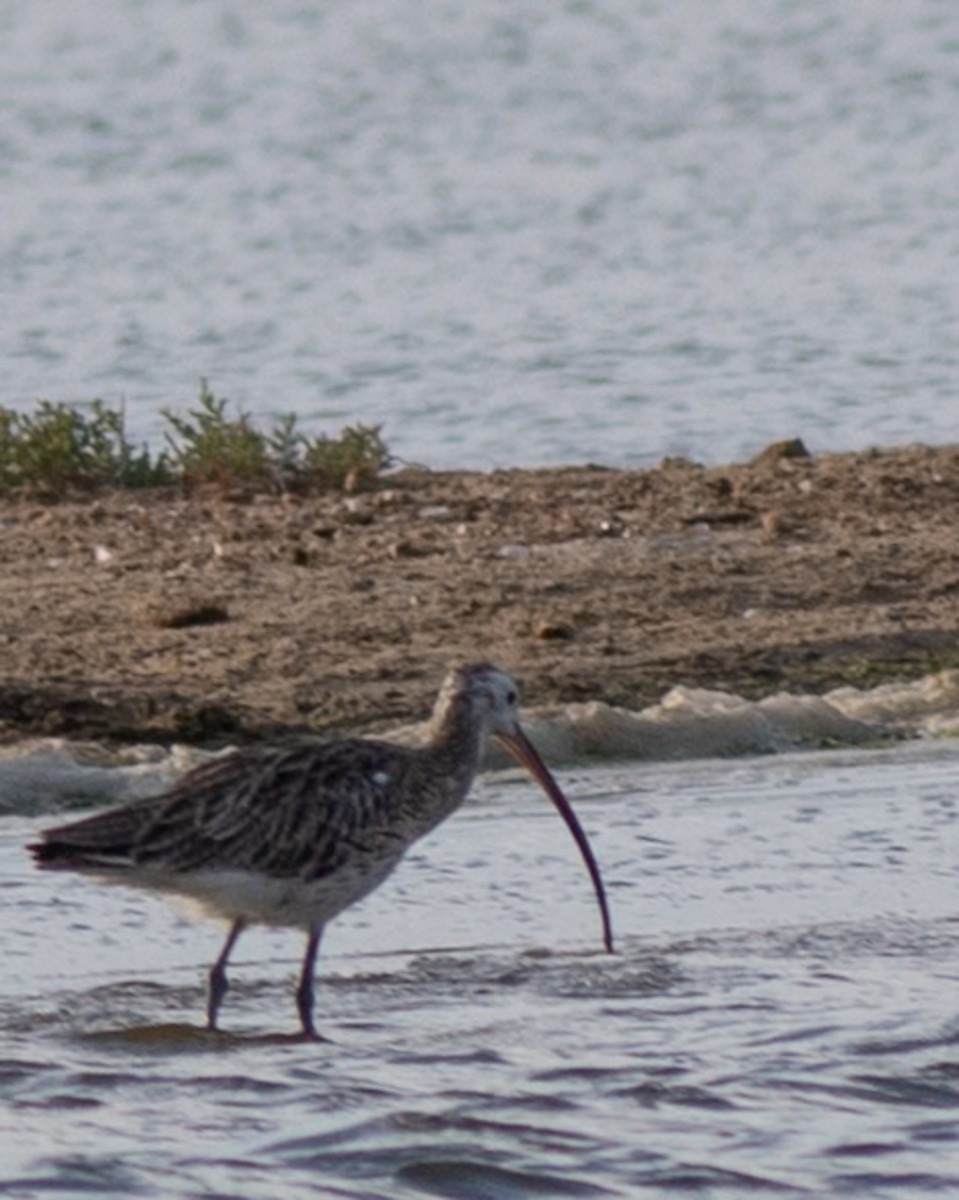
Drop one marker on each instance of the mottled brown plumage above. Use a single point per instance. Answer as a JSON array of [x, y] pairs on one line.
[[294, 832]]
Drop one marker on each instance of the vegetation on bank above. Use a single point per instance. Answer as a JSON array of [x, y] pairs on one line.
[[60, 449]]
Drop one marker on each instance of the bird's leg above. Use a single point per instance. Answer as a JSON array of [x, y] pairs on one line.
[[218, 983], [304, 990]]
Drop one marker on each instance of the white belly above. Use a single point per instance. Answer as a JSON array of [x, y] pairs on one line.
[[235, 893]]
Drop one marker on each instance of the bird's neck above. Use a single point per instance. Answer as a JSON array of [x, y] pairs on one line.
[[451, 757]]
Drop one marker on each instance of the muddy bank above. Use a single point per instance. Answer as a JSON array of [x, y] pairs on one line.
[[149, 616]]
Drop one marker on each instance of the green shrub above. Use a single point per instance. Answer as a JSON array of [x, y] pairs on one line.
[[352, 460], [209, 447], [61, 448]]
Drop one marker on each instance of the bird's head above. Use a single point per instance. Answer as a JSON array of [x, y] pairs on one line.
[[488, 693]]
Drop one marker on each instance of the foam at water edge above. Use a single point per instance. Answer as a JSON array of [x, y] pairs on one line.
[[917, 702], [695, 723], [42, 776]]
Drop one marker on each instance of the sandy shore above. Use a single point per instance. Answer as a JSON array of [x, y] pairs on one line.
[[145, 616]]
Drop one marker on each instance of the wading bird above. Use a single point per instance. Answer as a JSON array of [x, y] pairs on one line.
[[292, 833]]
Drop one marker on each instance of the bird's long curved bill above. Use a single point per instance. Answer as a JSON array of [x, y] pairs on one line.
[[526, 753]]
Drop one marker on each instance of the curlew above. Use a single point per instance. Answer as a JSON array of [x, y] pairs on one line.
[[292, 833]]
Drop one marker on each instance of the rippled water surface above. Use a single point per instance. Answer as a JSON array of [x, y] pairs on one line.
[[512, 233], [782, 1015]]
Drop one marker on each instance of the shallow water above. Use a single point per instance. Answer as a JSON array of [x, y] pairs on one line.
[[513, 234], [782, 1015]]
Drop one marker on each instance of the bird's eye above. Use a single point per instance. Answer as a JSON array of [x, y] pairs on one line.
[[511, 698]]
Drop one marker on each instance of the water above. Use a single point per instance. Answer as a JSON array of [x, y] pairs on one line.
[[511, 234], [781, 1017]]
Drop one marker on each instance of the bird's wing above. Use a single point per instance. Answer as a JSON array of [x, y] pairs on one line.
[[298, 809], [106, 838]]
